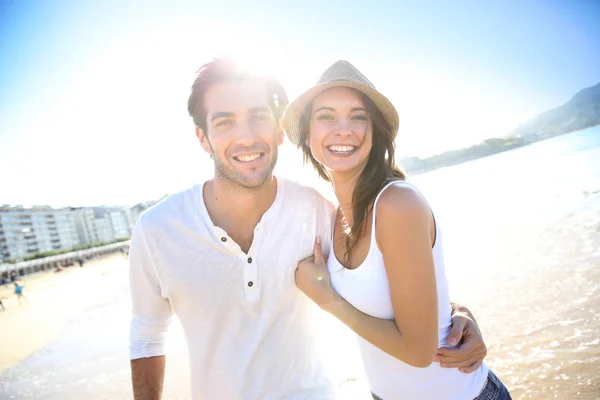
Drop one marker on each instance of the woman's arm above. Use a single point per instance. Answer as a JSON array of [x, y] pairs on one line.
[[404, 236]]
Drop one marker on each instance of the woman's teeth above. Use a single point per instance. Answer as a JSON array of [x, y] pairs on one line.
[[341, 149]]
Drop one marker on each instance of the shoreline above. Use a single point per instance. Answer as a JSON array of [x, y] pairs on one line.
[[50, 305], [416, 166]]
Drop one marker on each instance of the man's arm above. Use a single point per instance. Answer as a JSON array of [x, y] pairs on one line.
[[151, 315], [465, 334], [147, 377]]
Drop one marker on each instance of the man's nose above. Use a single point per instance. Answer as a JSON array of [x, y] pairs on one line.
[[246, 134]]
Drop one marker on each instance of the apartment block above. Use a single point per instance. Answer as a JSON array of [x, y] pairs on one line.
[[112, 222], [85, 225], [28, 231]]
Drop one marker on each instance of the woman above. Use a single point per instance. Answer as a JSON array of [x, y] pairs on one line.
[[385, 275]]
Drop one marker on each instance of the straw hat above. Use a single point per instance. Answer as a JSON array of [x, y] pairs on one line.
[[342, 73]]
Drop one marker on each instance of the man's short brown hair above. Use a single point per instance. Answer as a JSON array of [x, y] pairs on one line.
[[225, 70]]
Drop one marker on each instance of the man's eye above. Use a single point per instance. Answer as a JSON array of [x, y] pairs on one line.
[[224, 122], [259, 118]]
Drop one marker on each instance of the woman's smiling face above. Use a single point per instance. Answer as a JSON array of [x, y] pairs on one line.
[[341, 131]]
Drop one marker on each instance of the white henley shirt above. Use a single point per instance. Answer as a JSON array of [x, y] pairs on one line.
[[250, 331]]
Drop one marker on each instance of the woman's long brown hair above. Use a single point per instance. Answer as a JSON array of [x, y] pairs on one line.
[[379, 170]]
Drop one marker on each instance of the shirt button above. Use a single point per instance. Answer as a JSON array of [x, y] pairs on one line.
[[250, 284], [249, 260], [223, 239]]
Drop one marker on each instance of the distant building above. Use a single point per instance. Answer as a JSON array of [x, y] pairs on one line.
[[28, 231], [112, 222], [86, 226], [25, 232], [105, 233]]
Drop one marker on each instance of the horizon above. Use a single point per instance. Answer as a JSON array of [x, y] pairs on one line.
[[82, 80], [319, 184]]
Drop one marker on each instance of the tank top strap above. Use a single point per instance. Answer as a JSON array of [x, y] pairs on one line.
[[387, 185]]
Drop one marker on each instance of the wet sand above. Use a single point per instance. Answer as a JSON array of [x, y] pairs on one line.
[[534, 287], [538, 303]]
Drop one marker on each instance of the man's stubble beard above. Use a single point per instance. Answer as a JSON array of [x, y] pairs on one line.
[[232, 177]]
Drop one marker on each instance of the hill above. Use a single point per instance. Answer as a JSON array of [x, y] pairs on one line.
[[581, 111]]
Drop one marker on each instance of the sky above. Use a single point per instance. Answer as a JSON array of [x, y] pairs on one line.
[[93, 94]]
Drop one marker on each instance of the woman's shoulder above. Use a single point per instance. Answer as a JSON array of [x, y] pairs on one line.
[[402, 213], [401, 197]]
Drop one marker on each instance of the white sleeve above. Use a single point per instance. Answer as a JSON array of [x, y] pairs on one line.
[[325, 213], [151, 312]]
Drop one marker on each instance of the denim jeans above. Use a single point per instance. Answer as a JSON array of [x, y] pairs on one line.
[[494, 389]]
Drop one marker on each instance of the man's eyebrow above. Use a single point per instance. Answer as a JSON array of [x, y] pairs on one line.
[[222, 114], [257, 110]]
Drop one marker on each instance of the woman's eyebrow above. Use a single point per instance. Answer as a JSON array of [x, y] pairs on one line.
[[324, 108]]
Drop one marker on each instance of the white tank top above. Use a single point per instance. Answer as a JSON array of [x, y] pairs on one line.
[[366, 288]]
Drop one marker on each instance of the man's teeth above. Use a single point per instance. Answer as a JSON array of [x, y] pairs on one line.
[[248, 158], [342, 149]]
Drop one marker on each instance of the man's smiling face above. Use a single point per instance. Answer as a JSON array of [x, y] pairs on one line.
[[241, 134]]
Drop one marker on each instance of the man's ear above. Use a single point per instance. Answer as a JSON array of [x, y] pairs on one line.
[[201, 135], [280, 137]]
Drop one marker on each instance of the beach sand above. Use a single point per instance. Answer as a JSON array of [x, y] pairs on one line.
[[53, 299], [536, 295], [71, 339]]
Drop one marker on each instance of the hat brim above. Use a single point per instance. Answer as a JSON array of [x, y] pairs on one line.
[[293, 114]]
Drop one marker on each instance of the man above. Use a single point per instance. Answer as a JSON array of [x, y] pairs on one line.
[[222, 256]]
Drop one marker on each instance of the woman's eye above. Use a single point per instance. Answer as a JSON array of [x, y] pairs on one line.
[[360, 117], [324, 117]]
